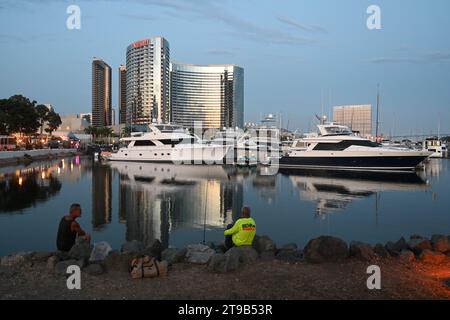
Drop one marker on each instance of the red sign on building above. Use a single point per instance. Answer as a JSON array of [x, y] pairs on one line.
[[141, 43]]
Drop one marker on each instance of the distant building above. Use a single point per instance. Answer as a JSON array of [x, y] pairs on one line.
[[356, 117], [101, 93], [122, 94], [113, 116], [212, 95], [148, 81], [73, 123]]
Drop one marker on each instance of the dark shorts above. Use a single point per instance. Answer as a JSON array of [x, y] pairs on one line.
[[229, 239]]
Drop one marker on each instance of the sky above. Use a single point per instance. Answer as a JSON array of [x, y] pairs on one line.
[[300, 57]]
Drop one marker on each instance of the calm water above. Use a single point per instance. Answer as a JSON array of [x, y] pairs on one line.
[[187, 204]]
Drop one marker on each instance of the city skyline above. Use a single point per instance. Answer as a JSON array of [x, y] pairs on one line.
[[312, 57]]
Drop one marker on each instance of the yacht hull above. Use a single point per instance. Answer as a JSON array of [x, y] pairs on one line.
[[385, 162]]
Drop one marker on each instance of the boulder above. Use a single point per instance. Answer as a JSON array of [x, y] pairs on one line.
[[132, 247], [233, 259], [394, 248], [326, 249], [117, 261], [291, 256], [264, 243], [267, 255], [42, 256], [100, 252], [199, 253], [154, 249], [431, 257], [418, 245], [289, 247], [94, 269], [61, 267], [51, 262], [361, 251], [407, 256], [81, 250], [173, 255], [381, 251], [440, 243]]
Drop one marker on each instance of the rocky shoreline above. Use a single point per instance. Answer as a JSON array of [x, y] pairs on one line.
[[211, 258]]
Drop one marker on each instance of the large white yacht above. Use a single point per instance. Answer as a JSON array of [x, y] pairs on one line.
[[167, 143], [337, 147], [243, 151]]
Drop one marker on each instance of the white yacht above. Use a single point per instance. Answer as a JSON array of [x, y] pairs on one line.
[[243, 150], [167, 143], [436, 147], [337, 147]]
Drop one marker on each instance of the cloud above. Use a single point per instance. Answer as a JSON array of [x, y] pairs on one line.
[[212, 10], [299, 25]]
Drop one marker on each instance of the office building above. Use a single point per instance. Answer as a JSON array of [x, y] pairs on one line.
[[122, 94], [101, 93], [356, 117], [148, 81], [212, 95]]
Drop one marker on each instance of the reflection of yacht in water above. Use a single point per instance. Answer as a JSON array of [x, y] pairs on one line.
[[334, 190], [336, 147], [167, 143]]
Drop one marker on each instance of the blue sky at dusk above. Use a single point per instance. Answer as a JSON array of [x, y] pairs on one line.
[[296, 54]]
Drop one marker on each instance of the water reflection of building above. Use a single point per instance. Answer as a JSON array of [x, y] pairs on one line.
[[156, 199], [333, 191], [101, 195]]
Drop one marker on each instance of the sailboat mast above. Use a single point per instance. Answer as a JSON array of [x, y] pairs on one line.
[[378, 110]]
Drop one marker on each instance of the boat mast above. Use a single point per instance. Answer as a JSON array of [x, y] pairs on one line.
[[378, 110]]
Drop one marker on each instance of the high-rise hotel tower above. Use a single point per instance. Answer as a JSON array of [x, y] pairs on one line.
[[101, 93], [148, 81]]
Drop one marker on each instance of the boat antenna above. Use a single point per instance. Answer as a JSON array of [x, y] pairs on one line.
[[378, 110]]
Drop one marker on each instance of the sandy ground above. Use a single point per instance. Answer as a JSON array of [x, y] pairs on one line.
[[263, 280]]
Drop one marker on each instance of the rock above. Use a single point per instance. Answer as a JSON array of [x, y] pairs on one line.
[[217, 263], [267, 255], [440, 243], [42, 256], [173, 255], [431, 257], [381, 251], [51, 262], [100, 252], [117, 261], [264, 243], [289, 247], [15, 259], [290, 256], [154, 249], [81, 250], [94, 269], [233, 259], [132, 247], [407, 256], [418, 245], [361, 251], [199, 253], [61, 267], [447, 282], [394, 249], [326, 249]]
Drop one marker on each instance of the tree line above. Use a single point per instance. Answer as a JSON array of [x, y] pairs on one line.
[[18, 114]]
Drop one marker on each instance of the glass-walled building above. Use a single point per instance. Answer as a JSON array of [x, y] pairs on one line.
[[212, 95], [148, 81], [356, 117]]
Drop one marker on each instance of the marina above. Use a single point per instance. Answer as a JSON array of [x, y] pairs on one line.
[[183, 204]]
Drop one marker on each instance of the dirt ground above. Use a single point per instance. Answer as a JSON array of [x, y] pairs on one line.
[[262, 280]]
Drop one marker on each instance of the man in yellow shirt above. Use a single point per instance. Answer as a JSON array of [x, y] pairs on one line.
[[242, 232]]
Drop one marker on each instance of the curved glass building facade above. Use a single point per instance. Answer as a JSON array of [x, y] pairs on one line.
[[212, 95], [148, 81]]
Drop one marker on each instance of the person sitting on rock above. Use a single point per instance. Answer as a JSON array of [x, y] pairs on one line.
[[242, 232], [69, 229]]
